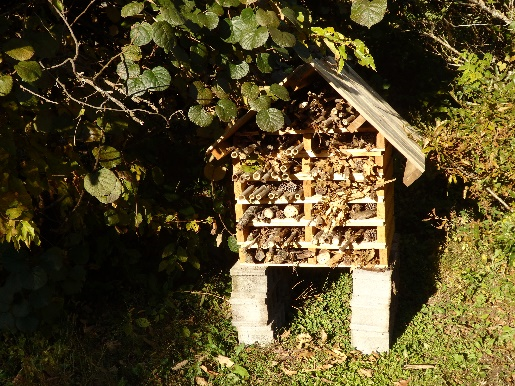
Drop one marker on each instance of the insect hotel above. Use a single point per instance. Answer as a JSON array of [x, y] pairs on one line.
[[318, 193]]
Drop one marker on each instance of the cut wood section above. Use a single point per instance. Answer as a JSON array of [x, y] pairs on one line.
[[300, 77], [356, 124], [386, 158]]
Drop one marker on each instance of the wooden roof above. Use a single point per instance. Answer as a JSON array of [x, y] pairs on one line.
[[367, 102]]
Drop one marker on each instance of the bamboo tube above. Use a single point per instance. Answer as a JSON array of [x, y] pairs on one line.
[[297, 148], [284, 167], [236, 176], [256, 175], [246, 192], [235, 154], [262, 193], [252, 196], [285, 176], [299, 194], [265, 177]]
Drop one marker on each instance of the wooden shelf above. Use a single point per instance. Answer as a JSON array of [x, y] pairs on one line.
[[309, 245], [324, 154], [341, 265], [287, 222], [308, 200]]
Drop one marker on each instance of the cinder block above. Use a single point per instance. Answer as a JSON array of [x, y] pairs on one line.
[[378, 317], [251, 335], [259, 313], [275, 320], [372, 283], [369, 341]]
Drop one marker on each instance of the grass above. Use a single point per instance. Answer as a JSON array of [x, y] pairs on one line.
[[456, 316]]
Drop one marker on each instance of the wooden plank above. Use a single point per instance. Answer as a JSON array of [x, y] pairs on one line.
[[386, 158], [312, 265], [356, 124], [312, 200], [240, 209], [384, 256], [291, 222], [380, 140], [375, 109], [343, 152], [308, 245], [300, 77]]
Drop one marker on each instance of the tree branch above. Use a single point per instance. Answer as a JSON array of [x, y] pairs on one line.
[[492, 11]]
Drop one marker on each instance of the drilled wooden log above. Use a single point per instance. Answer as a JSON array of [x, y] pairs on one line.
[[265, 177], [247, 217], [362, 215], [270, 212], [272, 238], [295, 150], [293, 235]]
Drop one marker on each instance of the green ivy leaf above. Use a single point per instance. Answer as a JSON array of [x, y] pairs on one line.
[[28, 71], [141, 34], [170, 14], [238, 71], [262, 62], [233, 244], [262, 102], [163, 36], [249, 90], [19, 49], [280, 92], [157, 79], [282, 39], [127, 69], [6, 84], [199, 116], [270, 120], [267, 18], [133, 8], [368, 12], [103, 185], [109, 157], [226, 110]]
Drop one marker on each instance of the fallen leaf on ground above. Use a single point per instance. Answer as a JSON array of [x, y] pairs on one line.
[[224, 361], [180, 365], [201, 381], [323, 336], [285, 334], [288, 372], [365, 373], [303, 339], [402, 382], [210, 372]]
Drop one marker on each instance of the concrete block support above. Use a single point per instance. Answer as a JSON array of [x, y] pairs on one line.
[[258, 300], [373, 309]]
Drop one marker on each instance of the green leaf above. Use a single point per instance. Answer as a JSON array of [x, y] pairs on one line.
[[131, 52], [240, 370], [233, 244], [133, 8], [142, 322], [254, 38], [238, 71], [28, 71], [199, 116], [226, 110], [109, 157], [229, 3], [19, 49], [211, 20], [157, 79], [136, 87], [249, 90], [280, 92], [6, 84], [282, 39], [262, 102], [263, 64], [103, 185], [267, 18], [201, 93], [368, 12], [170, 14], [127, 69], [270, 120], [141, 34], [163, 35], [14, 213]]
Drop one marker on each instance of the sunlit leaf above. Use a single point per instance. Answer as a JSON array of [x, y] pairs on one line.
[[250, 90], [19, 49], [103, 185], [133, 8], [163, 35], [199, 116], [141, 34], [280, 92], [28, 71], [368, 12], [254, 38], [282, 39], [131, 52], [233, 244], [107, 156], [262, 102], [270, 119], [226, 110], [267, 18], [263, 63], [6, 84], [157, 79], [238, 71], [127, 69]]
